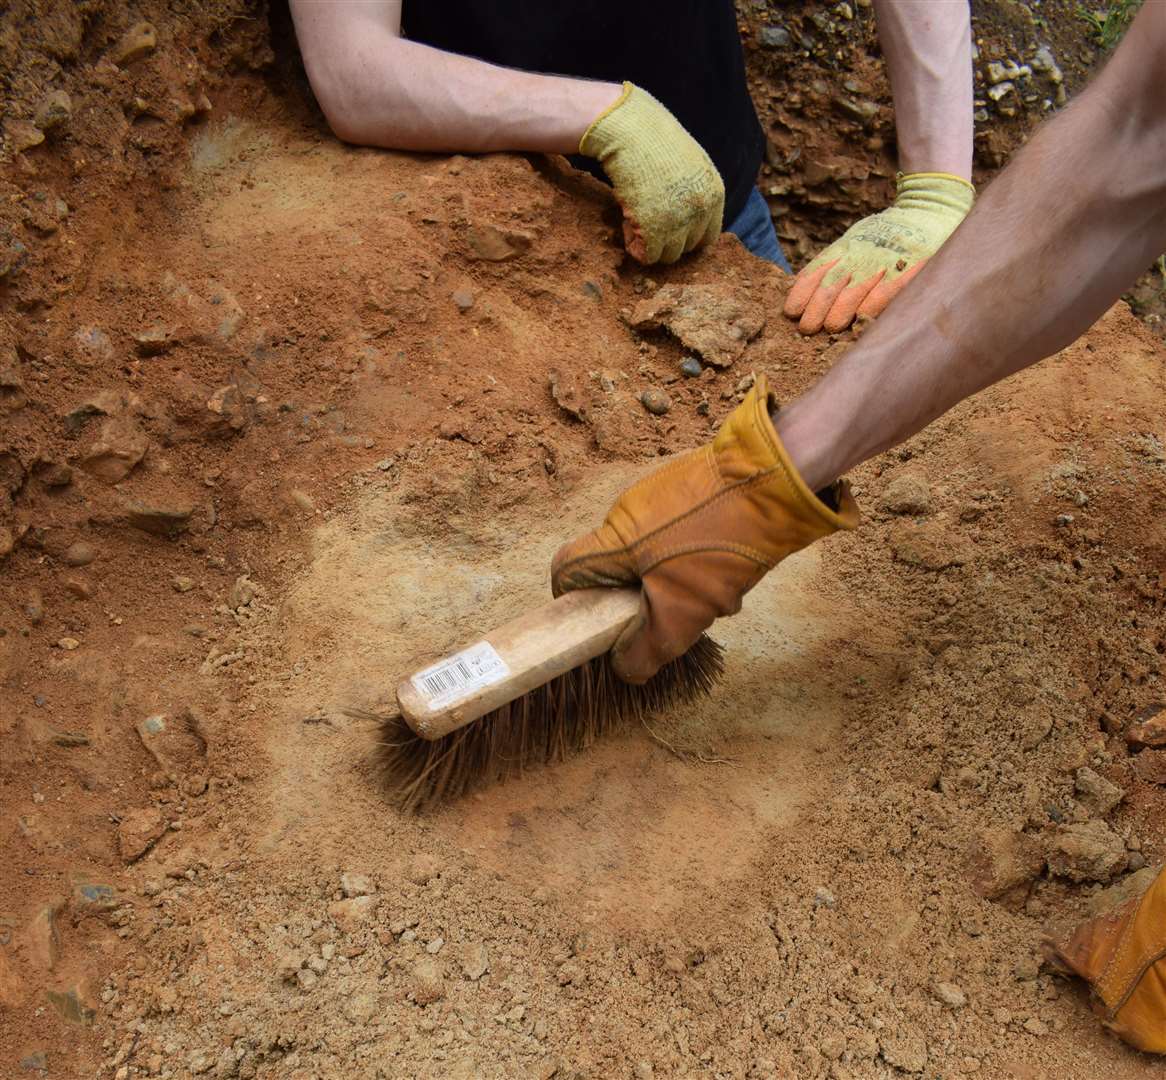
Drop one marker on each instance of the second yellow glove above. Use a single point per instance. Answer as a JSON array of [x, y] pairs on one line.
[[863, 271]]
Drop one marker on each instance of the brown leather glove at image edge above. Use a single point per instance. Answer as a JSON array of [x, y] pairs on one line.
[[1122, 955], [699, 533]]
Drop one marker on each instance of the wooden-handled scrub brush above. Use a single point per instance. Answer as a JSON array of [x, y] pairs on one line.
[[533, 691]]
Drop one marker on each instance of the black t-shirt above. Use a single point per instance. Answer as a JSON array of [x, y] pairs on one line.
[[685, 52]]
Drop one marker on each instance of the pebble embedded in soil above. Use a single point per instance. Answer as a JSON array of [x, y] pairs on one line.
[[906, 494], [54, 112], [1096, 793], [79, 554], [428, 982], [182, 584], [138, 41], [950, 994], [657, 402], [463, 299], [691, 367], [356, 885]]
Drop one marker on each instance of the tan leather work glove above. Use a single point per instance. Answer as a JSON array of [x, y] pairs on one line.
[[672, 196], [873, 261], [699, 533], [1122, 955]]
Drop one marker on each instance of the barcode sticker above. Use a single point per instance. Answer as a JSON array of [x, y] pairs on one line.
[[460, 676]]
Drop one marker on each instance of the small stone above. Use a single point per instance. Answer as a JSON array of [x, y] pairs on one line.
[[906, 494], [657, 402], [565, 392], [1096, 793], [690, 367], [1148, 727], [68, 644], [435, 946], [497, 245], [119, 449], [200, 1062], [79, 554], [139, 40], [182, 584], [44, 942], [1036, 1027], [34, 607], [139, 831], [428, 982], [356, 885], [904, 1051], [306, 979], [80, 588], [774, 37], [23, 135], [833, 1046], [1063, 521], [71, 1005], [154, 340], [422, 868], [12, 392], [54, 475], [950, 994], [463, 299], [94, 343], [476, 962], [1000, 90], [54, 112], [350, 915], [823, 897], [1086, 851], [288, 965], [302, 500], [159, 519], [1003, 862]]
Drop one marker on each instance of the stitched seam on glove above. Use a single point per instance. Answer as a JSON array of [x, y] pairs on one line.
[[1150, 961], [695, 548], [1119, 951]]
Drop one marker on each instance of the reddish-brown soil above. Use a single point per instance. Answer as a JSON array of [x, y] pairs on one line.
[[335, 452]]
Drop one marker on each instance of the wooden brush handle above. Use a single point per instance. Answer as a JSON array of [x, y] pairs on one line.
[[515, 659]]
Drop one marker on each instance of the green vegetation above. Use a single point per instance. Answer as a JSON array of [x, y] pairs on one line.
[[1107, 25]]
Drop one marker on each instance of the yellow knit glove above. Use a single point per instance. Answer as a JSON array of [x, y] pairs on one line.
[[865, 270], [672, 196]]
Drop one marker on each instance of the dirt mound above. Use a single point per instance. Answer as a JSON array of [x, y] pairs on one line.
[[281, 428]]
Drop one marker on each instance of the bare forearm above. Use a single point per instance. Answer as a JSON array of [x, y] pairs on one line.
[[1053, 242], [378, 89], [927, 45]]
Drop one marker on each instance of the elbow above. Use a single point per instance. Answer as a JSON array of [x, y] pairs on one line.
[[345, 113], [343, 97]]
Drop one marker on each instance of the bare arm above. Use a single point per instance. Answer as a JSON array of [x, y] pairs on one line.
[[377, 89], [927, 45], [1053, 242]]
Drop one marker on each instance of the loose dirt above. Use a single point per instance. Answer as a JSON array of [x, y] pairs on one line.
[[294, 403]]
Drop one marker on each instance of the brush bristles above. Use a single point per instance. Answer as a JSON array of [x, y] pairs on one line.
[[560, 718]]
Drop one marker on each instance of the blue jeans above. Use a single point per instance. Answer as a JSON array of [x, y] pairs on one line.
[[754, 228]]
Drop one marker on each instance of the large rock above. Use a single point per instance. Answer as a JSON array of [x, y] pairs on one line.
[[713, 320], [1086, 851]]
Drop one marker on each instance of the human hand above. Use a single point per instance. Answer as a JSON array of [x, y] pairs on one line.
[[698, 534], [672, 196], [863, 271]]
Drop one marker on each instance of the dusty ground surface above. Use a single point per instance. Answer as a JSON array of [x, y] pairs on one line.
[[275, 427]]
